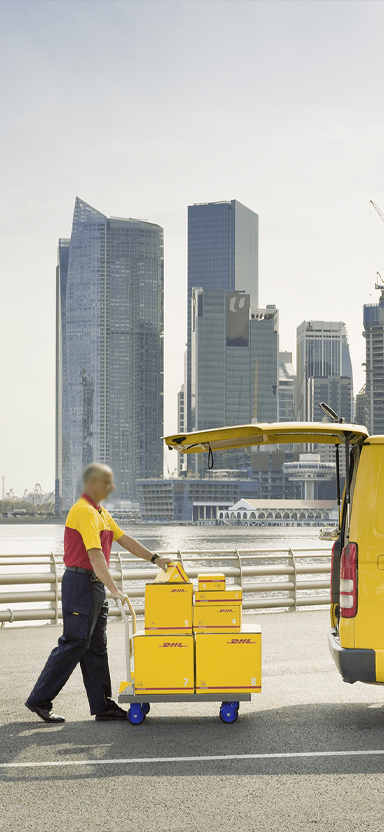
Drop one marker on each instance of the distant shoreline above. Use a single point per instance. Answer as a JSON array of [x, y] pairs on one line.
[[36, 521]]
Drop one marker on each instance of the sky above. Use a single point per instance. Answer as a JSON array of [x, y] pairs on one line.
[[142, 108]]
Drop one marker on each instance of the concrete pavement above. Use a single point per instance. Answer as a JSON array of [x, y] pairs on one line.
[[304, 707]]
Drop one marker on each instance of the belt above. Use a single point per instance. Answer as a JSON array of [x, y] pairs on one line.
[[79, 569]]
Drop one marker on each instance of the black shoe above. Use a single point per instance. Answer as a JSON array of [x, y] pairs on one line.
[[44, 713], [113, 712]]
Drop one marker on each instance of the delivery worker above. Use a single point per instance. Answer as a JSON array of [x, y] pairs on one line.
[[89, 533]]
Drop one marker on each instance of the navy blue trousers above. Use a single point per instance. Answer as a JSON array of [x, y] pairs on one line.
[[84, 640]]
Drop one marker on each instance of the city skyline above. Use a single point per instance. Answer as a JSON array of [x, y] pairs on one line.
[[143, 113]]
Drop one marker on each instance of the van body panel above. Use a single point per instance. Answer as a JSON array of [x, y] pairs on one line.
[[375, 440], [367, 530]]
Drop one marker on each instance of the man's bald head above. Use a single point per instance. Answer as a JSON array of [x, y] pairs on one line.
[[98, 481], [96, 470]]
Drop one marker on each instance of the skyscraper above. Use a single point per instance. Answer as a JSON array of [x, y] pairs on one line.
[[109, 351], [374, 365], [323, 353], [222, 254], [287, 383], [234, 366]]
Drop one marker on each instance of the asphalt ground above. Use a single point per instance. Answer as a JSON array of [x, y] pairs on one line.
[[225, 777]]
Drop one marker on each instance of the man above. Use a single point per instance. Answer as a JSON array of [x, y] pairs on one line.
[[89, 533]]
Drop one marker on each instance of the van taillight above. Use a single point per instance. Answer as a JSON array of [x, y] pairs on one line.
[[348, 581]]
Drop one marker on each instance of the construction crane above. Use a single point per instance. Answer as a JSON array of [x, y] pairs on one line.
[[377, 209]]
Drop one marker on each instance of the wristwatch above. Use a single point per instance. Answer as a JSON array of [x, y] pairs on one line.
[[153, 558]]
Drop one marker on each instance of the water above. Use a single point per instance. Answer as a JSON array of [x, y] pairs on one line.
[[25, 539], [20, 539]]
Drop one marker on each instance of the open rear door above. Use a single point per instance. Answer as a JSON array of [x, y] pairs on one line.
[[279, 433]]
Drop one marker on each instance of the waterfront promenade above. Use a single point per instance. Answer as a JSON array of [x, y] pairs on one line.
[[231, 777]]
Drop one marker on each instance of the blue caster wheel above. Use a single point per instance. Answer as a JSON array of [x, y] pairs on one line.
[[136, 714], [229, 711], [146, 707]]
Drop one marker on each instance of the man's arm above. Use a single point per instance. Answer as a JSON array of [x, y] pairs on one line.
[[100, 568], [135, 548]]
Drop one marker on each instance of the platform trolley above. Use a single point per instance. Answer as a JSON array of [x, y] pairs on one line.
[[140, 702]]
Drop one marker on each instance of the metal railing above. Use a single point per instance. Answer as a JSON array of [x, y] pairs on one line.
[[271, 579]]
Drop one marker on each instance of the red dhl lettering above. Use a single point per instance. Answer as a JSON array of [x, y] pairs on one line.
[[177, 590], [171, 644], [240, 641], [230, 610]]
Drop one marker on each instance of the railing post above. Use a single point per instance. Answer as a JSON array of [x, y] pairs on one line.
[[121, 579], [293, 592], [240, 567], [55, 603]]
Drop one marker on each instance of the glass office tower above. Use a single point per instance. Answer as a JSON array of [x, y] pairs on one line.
[[374, 366], [109, 351], [323, 353], [234, 366], [222, 254]]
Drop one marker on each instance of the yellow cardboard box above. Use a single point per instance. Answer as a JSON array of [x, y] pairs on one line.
[[228, 663], [163, 664], [231, 594], [175, 574], [217, 619], [168, 608], [211, 582]]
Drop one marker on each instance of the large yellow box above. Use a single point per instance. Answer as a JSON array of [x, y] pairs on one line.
[[220, 618], [168, 608], [228, 596], [163, 665], [211, 582], [227, 663]]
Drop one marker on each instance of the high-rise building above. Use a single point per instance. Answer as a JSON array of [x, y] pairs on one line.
[[323, 353], [234, 366], [109, 351], [287, 383], [222, 255], [360, 407], [374, 365]]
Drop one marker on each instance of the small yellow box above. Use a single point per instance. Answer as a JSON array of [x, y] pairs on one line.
[[168, 608], [228, 596], [211, 582], [227, 663], [175, 574], [163, 664], [223, 618]]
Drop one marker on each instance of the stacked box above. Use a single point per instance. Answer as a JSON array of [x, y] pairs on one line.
[[168, 608], [211, 582], [228, 664], [216, 609], [232, 595], [218, 618], [163, 664]]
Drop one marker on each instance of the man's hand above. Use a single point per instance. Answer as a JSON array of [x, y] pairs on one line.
[[119, 596], [162, 563]]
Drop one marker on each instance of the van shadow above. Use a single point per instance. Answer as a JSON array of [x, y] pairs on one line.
[[326, 728]]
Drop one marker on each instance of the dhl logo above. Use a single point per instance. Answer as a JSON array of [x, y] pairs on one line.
[[230, 610], [177, 590], [240, 641], [171, 644]]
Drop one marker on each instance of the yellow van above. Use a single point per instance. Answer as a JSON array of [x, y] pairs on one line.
[[356, 638]]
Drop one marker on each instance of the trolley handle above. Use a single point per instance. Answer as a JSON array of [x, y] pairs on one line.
[[124, 614]]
